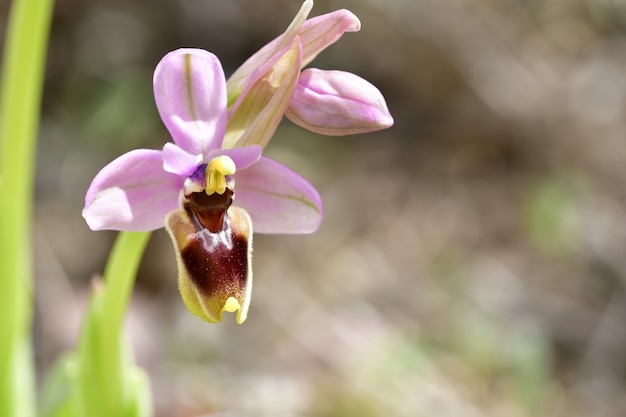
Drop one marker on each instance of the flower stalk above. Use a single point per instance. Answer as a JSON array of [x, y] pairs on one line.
[[105, 366]]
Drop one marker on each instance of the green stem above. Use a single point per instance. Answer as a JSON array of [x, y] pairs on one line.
[[119, 277], [104, 360], [20, 102]]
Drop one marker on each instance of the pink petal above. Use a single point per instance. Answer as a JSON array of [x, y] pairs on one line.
[[132, 193], [260, 109], [255, 80], [242, 157], [236, 82], [337, 103], [277, 199], [319, 32], [190, 93], [177, 161]]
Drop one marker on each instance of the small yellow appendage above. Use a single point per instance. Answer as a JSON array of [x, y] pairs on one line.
[[231, 305], [216, 172]]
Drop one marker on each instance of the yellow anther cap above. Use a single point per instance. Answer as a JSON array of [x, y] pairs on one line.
[[216, 172]]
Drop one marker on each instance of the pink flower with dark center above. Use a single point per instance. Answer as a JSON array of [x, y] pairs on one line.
[[211, 185], [206, 194]]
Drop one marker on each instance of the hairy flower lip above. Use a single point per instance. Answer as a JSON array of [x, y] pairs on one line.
[[215, 268]]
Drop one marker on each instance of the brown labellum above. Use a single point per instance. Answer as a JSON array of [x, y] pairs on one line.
[[213, 244]]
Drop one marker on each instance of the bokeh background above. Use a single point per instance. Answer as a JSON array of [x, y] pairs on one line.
[[472, 259]]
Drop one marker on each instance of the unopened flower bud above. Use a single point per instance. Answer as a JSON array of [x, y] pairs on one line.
[[337, 103]]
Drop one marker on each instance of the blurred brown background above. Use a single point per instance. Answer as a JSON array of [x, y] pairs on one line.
[[472, 259]]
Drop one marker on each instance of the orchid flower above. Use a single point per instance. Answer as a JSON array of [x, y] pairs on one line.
[[326, 102], [207, 194], [211, 185]]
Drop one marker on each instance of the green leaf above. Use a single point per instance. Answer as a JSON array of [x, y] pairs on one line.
[[20, 100], [141, 394], [58, 395]]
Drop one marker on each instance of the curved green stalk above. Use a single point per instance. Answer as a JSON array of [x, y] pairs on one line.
[[20, 100], [119, 276], [106, 368]]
